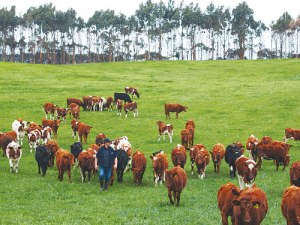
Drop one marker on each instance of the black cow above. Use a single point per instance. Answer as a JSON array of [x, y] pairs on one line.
[[122, 163], [122, 96], [232, 153], [155, 153], [42, 158], [76, 148]]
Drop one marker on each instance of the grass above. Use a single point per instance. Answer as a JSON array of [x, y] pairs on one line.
[[228, 100]]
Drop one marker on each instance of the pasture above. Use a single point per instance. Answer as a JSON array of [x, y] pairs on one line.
[[228, 100]]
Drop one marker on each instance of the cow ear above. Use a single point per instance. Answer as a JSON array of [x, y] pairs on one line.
[[151, 157], [235, 192], [210, 152], [236, 202], [256, 204]]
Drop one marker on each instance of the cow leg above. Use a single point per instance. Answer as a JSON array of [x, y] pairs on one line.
[[39, 168], [156, 178], [170, 195], [170, 135], [84, 138], [241, 182], [164, 137], [126, 114], [192, 165], [118, 174], [11, 165], [121, 175], [159, 137], [69, 175], [137, 113], [82, 175], [178, 198], [176, 115], [16, 165]]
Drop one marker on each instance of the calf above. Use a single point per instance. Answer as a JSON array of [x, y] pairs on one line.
[[232, 153], [191, 123], [100, 139], [102, 103], [64, 161], [250, 207], [191, 136], [176, 180], [193, 150], [12, 135], [110, 103], [290, 205], [160, 164], [252, 141], [122, 163], [126, 146], [122, 96], [74, 100], [139, 164], [179, 156], [62, 113], [87, 103], [119, 106], [292, 133], [46, 134], [246, 169], [76, 149], [4, 141], [174, 107], [202, 160], [295, 174], [72, 106], [75, 112], [86, 162], [131, 107], [74, 126], [49, 107], [13, 153], [217, 154], [52, 149], [226, 194], [19, 126], [54, 124], [34, 139], [132, 91], [164, 129], [83, 130], [185, 137], [42, 158]]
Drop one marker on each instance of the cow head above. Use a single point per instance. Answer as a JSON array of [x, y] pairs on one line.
[[185, 135], [87, 129], [159, 123], [157, 161], [89, 162], [76, 149], [247, 207], [216, 156], [137, 174], [250, 170], [200, 157], [238, 144], [295, 173], [70, 160]]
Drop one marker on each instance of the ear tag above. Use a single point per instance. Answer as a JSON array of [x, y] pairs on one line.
[[256, 206], [175, 175]]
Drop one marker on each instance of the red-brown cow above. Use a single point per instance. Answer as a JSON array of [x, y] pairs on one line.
[[217, 154], [250, 207], [110, 103], [246, 169], [191, 123], [284, 145], [83, 130], [13, 153], [131, 107], [64, 162], [75, 112], [119, 106], [74, 100], [86, 164], [4, 141], [54, 124], [174, 107], [72, 106], [74, 126], [185, 138], [226, 194], [52, 149], [12, 135], [160, 164], [191, 136], [87, 102], [62, 113], [100, 139], [193, 150], [252, 141], [290, 205], [266, 140], [132, 91], [202, 160], [295, 174], [164, 129], [139, 163], [292, 133], [176, 180], [179, 156], [49, 107]]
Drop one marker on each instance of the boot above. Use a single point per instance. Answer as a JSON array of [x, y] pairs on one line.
[[101, 185], [106, 185]]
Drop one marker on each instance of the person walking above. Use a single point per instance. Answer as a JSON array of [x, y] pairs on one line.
[[106, 158]]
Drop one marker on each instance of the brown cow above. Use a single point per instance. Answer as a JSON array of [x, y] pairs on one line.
[[119, 106], [13, 153], [202, 160], [86, 163], [266, 140], [72, 106], [139, 164], [100, 139], [191, 136], [226, 194], [191, 123], [193, 150], [250, 207], [185, 138], [174, 107], [165, 129], [295, 174], [131, 107], [12, 135], [84, 130], [74, 126], [87, 102], [290, 205], [179, 156], [217, 154], [132, 91], [74, 100], [292, 133], [246, 169], [160, 164], [252, 141], [4, 141], [110, 103], [176, 180], [95, 147], [62, 113], [52, 149], [54, 124], [64, 162], [75, 112], [49, 107]]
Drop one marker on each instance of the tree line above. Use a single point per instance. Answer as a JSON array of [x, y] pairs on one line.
[[157, 31]]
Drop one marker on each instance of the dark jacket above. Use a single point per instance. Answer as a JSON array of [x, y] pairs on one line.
[[103, 161]]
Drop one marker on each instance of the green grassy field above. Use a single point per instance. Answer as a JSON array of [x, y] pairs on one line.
[[228, 100]]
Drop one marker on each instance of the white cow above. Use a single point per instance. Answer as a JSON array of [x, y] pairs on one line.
[[13, 153], [102, 104], [19, 127], [126, 146]]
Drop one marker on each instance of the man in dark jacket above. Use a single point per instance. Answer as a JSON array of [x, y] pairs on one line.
[[106, 158]]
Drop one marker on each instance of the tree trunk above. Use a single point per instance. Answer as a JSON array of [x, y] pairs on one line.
[[149, 42]]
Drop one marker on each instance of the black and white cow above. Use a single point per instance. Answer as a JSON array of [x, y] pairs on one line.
[[232, 153], [122, 163], [76, 149], [122, 96], [42, 158]]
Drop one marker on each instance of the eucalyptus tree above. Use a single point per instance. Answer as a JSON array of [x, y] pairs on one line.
[[243, 24], [259, 34], [226, 28]]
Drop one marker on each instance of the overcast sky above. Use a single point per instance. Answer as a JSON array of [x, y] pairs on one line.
[[264, 10]]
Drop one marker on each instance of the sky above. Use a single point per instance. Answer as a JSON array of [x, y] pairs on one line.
[[264, 10]]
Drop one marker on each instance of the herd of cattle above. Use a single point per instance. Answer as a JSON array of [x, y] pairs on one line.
[[244, 205]]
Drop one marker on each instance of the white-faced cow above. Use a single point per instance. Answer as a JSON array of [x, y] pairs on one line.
[[246, 169], [13, 153]]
